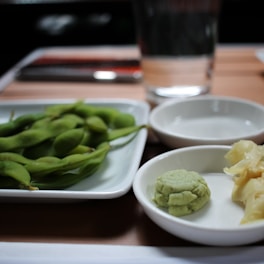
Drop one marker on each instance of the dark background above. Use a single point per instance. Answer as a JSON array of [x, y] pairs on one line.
[[29, 24]]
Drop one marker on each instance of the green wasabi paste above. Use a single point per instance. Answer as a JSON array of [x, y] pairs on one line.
[[181, 192]]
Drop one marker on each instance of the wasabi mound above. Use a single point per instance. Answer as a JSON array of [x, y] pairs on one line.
[[181, 192]]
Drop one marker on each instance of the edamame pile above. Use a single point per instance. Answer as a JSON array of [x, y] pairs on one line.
[[60, 146]]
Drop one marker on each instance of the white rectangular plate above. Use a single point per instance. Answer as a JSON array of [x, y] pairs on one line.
[[116, 175]]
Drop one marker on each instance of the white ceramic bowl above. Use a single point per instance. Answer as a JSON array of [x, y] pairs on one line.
[[207, 120], [218, 223]]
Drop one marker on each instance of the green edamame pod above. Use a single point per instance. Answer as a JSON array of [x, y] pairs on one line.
[[106, 113], [70, 162], [23, 139], [62, 124], [38, 168], [56, 182], [76, 160], [31, 137], [42, 123], [125, 131], [21, 122], [35, 136], [97, 138], [79, 121], [84, 110], [68, 179], [11, 156], [16, 171], [96, 124], [112, 134], [48, 159], [123, 120], [67, 141], [81, 149], [65, 180], [86, 138], [6, 128], [41, 149], [26, 120], [92, 165], [58, 110]]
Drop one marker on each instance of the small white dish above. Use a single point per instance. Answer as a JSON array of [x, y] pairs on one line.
[[207, 120], [112, 180], [216, 224]]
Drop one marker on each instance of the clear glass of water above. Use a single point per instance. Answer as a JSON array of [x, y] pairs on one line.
[[177, 40]]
